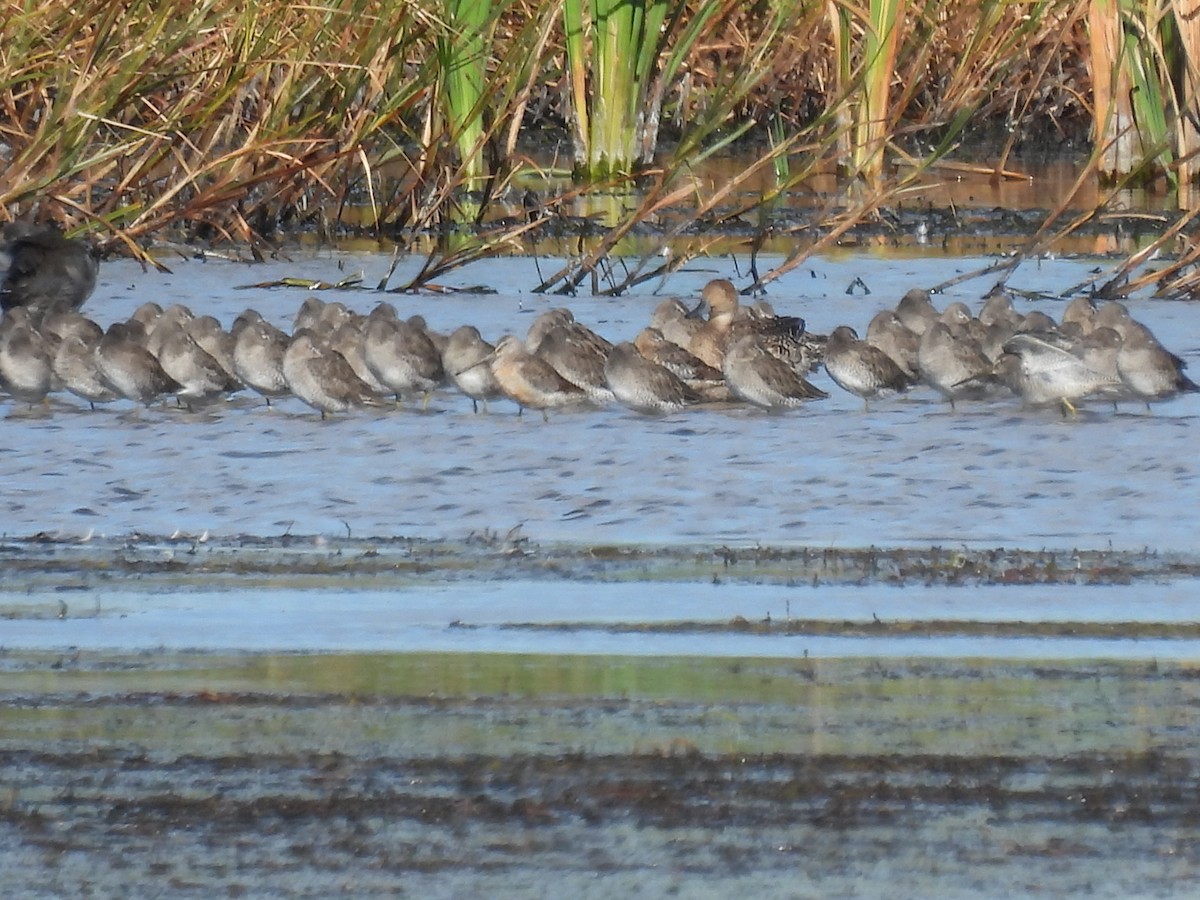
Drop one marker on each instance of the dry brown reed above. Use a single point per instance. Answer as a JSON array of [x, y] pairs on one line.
[[229, 120]]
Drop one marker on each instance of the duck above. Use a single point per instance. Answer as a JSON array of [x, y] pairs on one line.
[[47, 271], [782, 336]]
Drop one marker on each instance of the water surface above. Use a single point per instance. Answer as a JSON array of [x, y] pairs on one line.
[[909, 472]]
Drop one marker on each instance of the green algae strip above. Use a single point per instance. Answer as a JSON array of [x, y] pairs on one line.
[[383, 677], [438, 704]]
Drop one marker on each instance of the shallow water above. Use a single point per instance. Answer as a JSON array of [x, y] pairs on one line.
[[456, 728], [909, 472], [514, 616]]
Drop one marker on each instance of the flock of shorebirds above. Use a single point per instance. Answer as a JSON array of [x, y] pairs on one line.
[[719, 351]]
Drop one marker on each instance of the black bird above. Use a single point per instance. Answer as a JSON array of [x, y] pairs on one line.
[[47, 271]]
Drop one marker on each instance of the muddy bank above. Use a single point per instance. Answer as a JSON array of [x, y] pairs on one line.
[[877, 778], [69, 563]]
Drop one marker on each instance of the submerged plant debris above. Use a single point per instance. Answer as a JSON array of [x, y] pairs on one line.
[[297, 561]]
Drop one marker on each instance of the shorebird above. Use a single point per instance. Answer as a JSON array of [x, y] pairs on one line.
[[953, 364], [671, 319], [916, 311], [861, 368], [200, 376], [215, 341], [174, 318], [1042, 373], [349, 339], [541, 325], [998, 310], [26, 361], [258, 350], [645, 386], [76, 366], [758, 376], [1149, 371], [530, 381], [896, 339], [707, 382], [1081, 310], [467, 361], [61, 326], [321, 377], [401, 355], [128, 369], [579, 355]]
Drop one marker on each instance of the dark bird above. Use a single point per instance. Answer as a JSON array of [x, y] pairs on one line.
[[47, 271]]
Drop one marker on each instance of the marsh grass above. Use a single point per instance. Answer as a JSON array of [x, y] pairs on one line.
[[223, 120], [1145, 65]]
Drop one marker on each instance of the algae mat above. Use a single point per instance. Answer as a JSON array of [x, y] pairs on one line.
[[591, 776], [990, 753]]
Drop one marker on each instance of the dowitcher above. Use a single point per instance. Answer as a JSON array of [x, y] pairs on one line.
[[258, 350], [916, 311], [758, 376], [128, 368], [76, 366], [645, 386], [579, 355], [321, 377], [671, 319], [861, 368], [896, 339], [1043, 372], [26, 362], [200, 376], [1150, 371], [401, 355], [953, 364], [467, 361], [530, 381]]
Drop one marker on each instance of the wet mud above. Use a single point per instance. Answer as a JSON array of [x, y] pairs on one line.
[[878, 778]]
